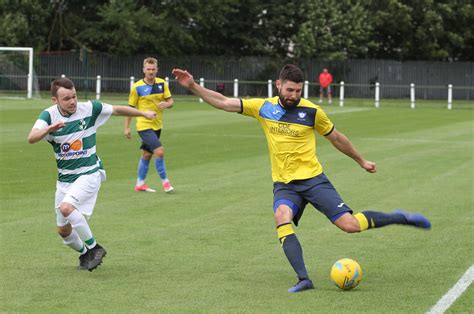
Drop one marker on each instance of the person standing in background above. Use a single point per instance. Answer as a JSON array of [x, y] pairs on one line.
[[150, 93], [325, 80]]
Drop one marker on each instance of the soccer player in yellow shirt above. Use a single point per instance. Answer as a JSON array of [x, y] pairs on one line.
[[289, 122], [150, 93]]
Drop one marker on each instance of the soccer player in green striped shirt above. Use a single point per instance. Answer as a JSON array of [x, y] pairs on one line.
[[70, 127], [290, 123]]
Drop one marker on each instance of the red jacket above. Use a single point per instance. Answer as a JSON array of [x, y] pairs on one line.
[[325, 79]]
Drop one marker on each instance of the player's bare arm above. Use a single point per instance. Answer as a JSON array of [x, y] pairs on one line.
[[126, 127], [37, 134], [213, 98], [344, 145], [132, 112]]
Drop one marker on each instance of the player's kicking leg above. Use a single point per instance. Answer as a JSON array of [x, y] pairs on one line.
[[374, 219]]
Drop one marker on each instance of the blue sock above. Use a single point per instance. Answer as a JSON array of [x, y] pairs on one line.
[[378, 219], [160, 167], [292, 248], [143, 168]]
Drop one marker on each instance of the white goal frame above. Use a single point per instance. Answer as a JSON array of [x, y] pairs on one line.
[[30, 66]]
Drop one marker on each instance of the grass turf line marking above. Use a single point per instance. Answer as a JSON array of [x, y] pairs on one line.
[[414, 140], [331, 112], [455, 292]]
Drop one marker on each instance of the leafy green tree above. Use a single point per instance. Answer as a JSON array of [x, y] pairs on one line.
[[123, 27], [233, 27], [275, 25], [204, 25], [333, 30], [458, 36], [392, 22], [24, 23], [130, 27], [422, 29]]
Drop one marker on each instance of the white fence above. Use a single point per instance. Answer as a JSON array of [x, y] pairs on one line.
[[306, 86]]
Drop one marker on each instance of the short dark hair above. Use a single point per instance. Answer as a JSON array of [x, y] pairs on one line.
[[290, 72], [62, 82]]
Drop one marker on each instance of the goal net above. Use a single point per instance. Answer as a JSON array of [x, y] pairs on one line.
[[17, 77]]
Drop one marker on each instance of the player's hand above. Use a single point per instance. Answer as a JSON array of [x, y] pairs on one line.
[[369, 166], [183, 77], [56, 126], [163, 105], [127, 133], [149, 114]]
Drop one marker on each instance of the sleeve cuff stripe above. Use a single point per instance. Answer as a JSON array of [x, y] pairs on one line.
[[330, 131]]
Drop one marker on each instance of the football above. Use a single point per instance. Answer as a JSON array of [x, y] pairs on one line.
[[346, 274]]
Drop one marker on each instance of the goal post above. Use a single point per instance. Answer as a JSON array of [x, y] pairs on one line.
[[29, 93]]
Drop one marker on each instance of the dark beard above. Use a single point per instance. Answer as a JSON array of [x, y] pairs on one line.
[[286, 104]]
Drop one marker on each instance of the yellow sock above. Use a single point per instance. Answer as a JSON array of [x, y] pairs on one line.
[[284, 230], [363, 222]]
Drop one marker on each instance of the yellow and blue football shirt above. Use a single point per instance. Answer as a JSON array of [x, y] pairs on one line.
[[290, 136], [146, 97]]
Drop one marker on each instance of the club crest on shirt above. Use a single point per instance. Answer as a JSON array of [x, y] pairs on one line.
[[301, 115], [82, 124]]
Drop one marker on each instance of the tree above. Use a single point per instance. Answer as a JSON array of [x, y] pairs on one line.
[[333, 30], [24, 23], [422, 30], [458, 36]]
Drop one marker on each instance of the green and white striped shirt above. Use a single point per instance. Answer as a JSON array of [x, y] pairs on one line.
[[74, 145]]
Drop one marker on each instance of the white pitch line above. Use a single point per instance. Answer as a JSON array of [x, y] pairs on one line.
[[455, 292], [330, 112], [413, 140]]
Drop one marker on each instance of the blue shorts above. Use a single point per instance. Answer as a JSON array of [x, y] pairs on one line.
[[318, 191], [150, 139]]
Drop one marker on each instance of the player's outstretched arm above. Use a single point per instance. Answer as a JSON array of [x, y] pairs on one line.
[[38, 134], [132, 112], [344, 145], [213, 98]]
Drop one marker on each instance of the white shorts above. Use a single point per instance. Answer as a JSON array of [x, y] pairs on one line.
[[82, 194]]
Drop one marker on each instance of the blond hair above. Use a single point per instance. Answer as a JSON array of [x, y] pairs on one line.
[[150, 60]]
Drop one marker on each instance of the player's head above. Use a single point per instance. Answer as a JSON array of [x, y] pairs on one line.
[[290, 85], [325, 70], [63, 93], [150, 68]]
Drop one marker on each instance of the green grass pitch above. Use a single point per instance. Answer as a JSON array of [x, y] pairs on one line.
[[211, 246]]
